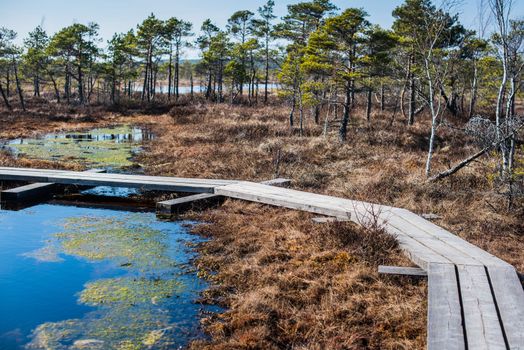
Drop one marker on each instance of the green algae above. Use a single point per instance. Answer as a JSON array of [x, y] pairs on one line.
[[129, 290], [131, 311], [124, 240], [114, 328], [53, 335], [48, 253], [107, 147]]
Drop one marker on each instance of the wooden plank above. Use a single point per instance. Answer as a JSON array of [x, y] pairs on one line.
[[116, 180], [27, 191], [509, 295], [202, 201], [402, 270], [278, 182], [181, 205], [419, 253], [458, 244], [287, 198], [483, 329], [324, 220], [5, 171], [31, 191], [445, 329], [397, 226]]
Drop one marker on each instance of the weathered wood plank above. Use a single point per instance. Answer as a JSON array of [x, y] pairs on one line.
[[145, 178], [445, 330], [287, 198], [481, 321], [27, 191], [201, 201], [419, 253], [181, 205], [32, 191], [358, 212], [439, 246], [324, 220], [509, 295], [402, 270], [459, 244], [116, 180]]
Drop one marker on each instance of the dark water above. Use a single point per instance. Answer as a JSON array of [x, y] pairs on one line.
[[81, 278]]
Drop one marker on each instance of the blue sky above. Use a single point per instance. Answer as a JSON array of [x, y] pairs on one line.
[[121, 15]]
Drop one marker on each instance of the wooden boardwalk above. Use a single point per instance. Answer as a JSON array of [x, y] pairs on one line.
[[476, 300]]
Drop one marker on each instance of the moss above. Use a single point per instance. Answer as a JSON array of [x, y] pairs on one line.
[[129, 290]]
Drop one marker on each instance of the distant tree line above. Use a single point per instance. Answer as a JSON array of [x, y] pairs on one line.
[[326, 62]]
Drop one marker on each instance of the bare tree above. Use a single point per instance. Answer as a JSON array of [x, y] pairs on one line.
[[439, 36], [501, 10]]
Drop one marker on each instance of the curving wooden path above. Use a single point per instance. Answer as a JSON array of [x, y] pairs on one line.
[[475, 300]]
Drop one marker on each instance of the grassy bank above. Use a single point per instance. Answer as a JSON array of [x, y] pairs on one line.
[[289, 283]]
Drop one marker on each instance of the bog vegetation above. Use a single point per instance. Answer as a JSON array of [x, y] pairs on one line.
[[426, 115], [326, 61]]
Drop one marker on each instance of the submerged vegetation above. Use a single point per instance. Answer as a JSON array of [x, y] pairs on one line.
[[134, 310], [426, 115], [135, 246], [106, 147]]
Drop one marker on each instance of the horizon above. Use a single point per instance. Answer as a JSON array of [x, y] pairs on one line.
[[54, 15]]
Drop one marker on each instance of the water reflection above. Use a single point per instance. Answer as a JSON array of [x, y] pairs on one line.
[[105, 147], [81, 278]]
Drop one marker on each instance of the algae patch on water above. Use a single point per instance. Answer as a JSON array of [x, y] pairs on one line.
[[129, 290], [124, 240], [107, 147], [133, 310]]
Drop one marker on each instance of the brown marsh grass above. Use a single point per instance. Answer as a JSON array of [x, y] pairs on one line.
[[288, 283]]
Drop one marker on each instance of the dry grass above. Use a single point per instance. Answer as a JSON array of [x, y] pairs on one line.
[[291, 284], [286, 282]]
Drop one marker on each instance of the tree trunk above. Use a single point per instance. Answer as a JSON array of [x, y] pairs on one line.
[[177, 72], [8, 82], [36, 89], [316, 113], [80, 83], [170, 73], [434, 116], [18, 85], [292, 112], [209, 82], [342, 133], [498, 113], [266, 79], [301, 113], [4, 97], [55, 86], [369, 106], [412, 96], [191, 83], [67, 83], [382, 97], [145, 84]]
